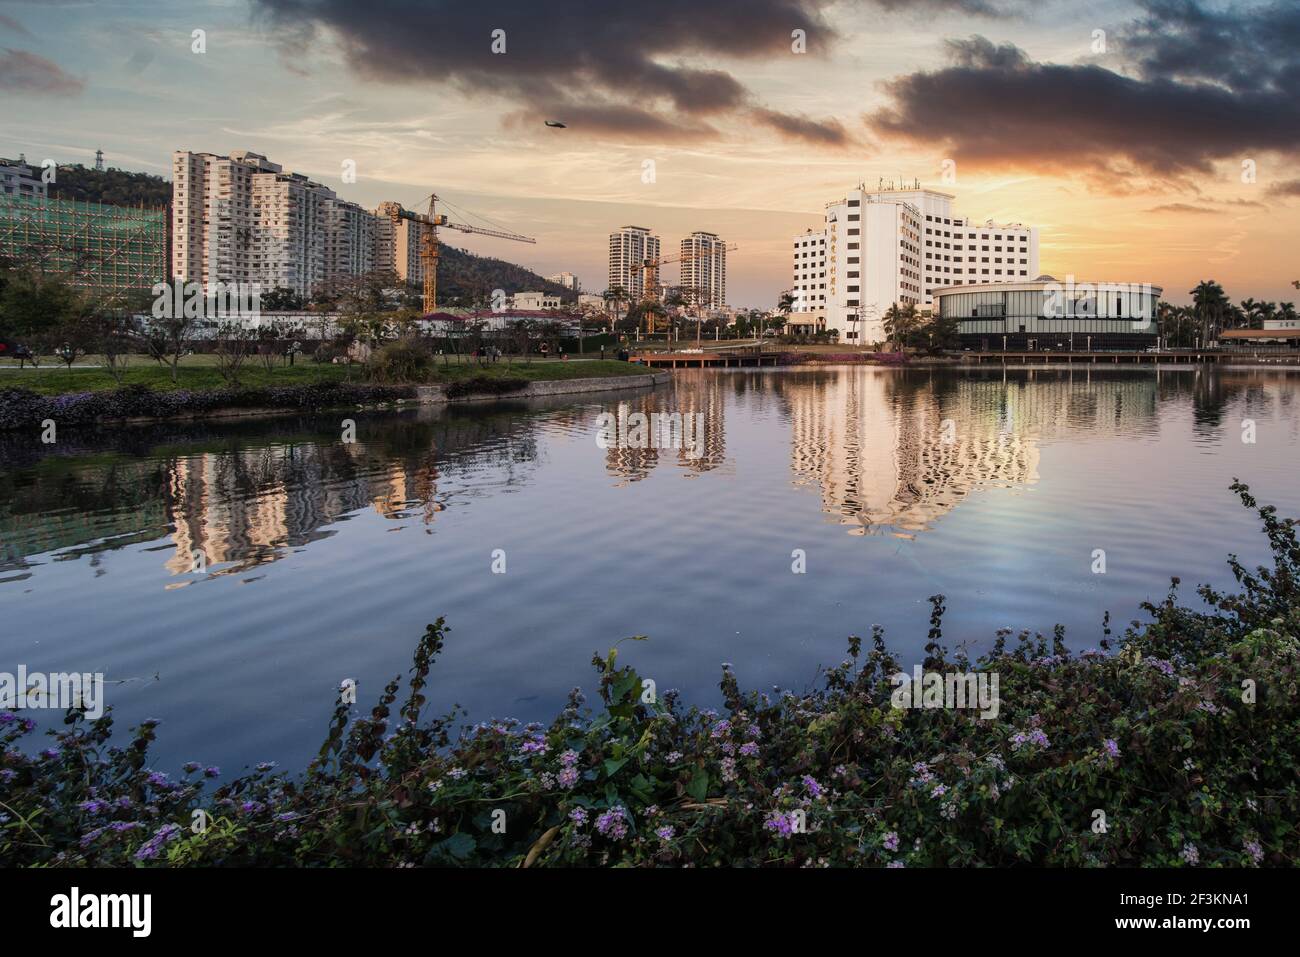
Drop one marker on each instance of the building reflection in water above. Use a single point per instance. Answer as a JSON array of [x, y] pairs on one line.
[[687, 394], [247, 503], [895, 453]]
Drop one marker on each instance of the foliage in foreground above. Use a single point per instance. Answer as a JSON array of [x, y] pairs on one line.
[[1153, 729]]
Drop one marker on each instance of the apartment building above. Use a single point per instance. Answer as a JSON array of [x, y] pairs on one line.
[[566, 279], [397, 244], [243, 219], [350, 243], [704, 270], [886, 246], [19, 179], [629, 247]]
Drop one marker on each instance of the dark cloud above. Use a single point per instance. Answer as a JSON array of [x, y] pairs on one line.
[[1201, 87], [25, 72], [629, 70], [1288, 188], [801, 128]]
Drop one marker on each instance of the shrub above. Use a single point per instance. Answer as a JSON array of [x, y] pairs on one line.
[[1155, 732], [405, 360]]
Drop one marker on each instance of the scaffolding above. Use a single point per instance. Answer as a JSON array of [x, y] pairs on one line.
[[115, 253]]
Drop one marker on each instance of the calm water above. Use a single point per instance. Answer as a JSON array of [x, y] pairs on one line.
[[326, 560]]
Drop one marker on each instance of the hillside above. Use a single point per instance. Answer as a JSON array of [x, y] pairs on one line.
[[114, 186], [464, 278]]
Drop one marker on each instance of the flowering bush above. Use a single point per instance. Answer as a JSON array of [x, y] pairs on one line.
[[20, 408], [1184, 733]]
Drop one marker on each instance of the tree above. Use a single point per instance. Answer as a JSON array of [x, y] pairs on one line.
[[901, 324], [34, 306], [785, 305], [1210, 303], [282, 299]]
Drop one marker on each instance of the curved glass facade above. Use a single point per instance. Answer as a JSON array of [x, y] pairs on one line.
[[1052, 315]]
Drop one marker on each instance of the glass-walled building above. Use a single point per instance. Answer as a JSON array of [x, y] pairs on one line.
[[1046, 314]]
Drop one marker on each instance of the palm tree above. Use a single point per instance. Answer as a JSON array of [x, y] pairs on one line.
[[1210, 303], [900, 322]]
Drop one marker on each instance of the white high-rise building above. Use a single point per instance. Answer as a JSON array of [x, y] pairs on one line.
[[397, 244], [566, 279], [896, 246], [243, 219], [629, 247], [349, 239], [704, 270]]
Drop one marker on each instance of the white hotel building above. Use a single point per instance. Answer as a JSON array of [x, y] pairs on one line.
[[877, 248]]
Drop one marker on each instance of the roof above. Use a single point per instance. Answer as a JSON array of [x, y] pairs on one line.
[[1260, 334]]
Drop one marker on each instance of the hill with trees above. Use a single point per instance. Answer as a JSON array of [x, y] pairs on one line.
[[117, 187], [465, 279]]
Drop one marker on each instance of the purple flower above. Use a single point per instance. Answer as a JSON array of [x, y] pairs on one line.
[[749, 749], [568, 777], [613, 823], [578, 816], [7, 717], [150, 849], [1191, 854], [569, 758], [665, 833], [890, 843], [781, 823], [159, 780], [94, 806], [1254, 850], [211, 772], [811, 784], [1112, 748]]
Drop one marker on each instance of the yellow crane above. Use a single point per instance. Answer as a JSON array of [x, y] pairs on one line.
[[650, 276], [429, 223]]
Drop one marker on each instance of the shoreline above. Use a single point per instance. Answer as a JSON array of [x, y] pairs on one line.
[[421, 396]]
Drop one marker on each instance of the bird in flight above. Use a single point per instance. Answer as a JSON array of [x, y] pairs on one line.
[[556, 124]]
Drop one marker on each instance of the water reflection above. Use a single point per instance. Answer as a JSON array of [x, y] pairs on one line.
[[234, 502], [324, 560], [886, 450]]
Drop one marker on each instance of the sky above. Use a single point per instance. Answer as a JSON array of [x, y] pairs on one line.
[[1150, 142]]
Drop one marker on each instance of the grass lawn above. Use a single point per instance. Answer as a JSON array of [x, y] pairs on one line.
[[200, 372]]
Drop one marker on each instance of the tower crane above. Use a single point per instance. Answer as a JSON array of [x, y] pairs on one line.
[[429, 223], [650, 274]]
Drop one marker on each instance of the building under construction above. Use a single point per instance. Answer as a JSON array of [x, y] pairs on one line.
[[115, 253]]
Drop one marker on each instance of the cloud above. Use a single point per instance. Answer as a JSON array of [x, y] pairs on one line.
[[9, 23], [26, 72], [1287, 188], [1182, 208], [801, 128], [1202, 87], [634, 71]]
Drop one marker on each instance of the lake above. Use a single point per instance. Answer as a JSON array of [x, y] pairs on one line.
[[813, 504]]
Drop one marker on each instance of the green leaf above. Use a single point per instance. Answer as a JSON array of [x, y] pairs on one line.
[[699, 786], [612, 766]]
